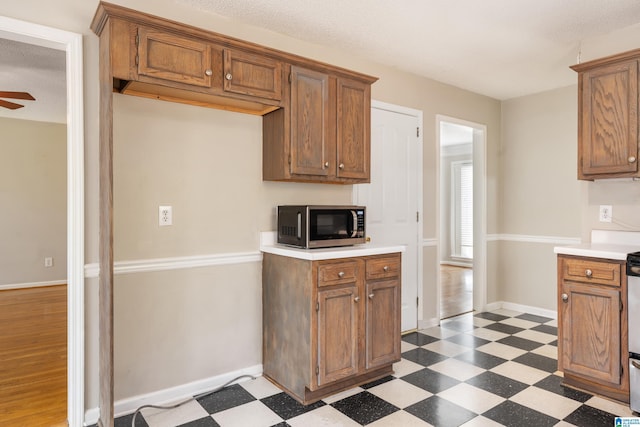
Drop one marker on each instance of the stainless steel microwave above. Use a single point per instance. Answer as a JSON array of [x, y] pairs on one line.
[[321, 226]]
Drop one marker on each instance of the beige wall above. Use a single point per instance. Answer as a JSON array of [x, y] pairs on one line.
[[539, 193], [206, 164], [33, 196]]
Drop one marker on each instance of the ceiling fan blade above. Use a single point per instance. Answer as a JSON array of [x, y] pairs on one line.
[[10, 105], [17, 95]]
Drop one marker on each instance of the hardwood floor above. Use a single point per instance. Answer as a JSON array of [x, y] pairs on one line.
[[456, 284], [33, 356]]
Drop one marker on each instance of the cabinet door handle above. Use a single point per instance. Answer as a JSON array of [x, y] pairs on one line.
[[208, 72], [588, 273], [565, 297], [371, 296], [385, 268], [341, 165], [326, 165], [341, 274], [228, 76], [356, 299], [632, 159]]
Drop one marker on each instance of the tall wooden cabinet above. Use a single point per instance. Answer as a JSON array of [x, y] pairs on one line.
[[330, 325], [153, 57], [592, 325], [608, 117]]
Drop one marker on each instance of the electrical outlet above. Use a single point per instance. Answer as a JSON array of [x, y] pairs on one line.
[[606, 213], [165, 215], [48, 261]]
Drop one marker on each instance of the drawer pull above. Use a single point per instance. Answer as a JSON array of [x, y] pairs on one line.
[[341, 274], [565, 297], [385, 268], [588, 272]]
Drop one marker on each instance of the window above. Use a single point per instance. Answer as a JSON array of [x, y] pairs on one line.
[[462, 209]]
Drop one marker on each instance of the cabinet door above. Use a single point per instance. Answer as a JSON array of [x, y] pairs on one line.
[[353, 129], [591, 335], [608, 140], [382, 323], [252, 75], [337, 334], [312, 152], [169, 57]]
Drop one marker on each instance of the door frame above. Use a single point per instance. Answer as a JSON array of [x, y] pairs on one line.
[[479, 201], [71, 44], [418, 114]]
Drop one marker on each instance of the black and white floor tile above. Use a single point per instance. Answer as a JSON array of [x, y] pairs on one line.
[[488, 369]]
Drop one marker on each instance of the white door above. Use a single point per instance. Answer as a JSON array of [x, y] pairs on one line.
[[393, 198]]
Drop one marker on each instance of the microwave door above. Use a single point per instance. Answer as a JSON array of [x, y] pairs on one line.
[[354, 229]]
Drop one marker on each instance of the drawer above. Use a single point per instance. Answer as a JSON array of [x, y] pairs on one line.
[[589, 271], [337, 273], [383, 267]]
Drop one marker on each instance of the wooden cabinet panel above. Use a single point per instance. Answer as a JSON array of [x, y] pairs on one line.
[[383, 267], [353, 129], [592, 325], [608, 117], [311, 148], [335, 274], [382, 323], [352, 336], [169, 57], [591, 271], [337, 334], [252, 75], [591, 339]]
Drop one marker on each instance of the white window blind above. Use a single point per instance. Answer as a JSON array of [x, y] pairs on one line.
[[462, 209]]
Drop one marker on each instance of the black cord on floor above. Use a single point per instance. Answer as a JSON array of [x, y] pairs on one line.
[[196, 397]]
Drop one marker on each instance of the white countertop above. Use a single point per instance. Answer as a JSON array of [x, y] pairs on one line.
[[268, 245], [605, 244]]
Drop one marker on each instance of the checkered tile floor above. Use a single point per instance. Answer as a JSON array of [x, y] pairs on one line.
[[488, 369]]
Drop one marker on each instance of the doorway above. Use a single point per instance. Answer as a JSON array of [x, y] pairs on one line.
[[462, 219], [71, 45]]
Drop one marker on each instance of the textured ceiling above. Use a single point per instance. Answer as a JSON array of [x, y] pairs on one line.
[[499, 48]]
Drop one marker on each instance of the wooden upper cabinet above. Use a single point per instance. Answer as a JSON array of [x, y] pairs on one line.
[[353, 129], [326, 136], [312, 148], [608, 118], [252, 75], [316, 116], [176, 59]]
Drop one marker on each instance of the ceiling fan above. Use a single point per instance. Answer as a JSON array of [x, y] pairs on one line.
[[14, 95]]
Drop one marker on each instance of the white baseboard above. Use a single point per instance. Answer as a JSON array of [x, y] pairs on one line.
[[173, 394], [523, 308], [32, 284]]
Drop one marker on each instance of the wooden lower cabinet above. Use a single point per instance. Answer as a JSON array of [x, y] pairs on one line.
[[330, 325], [592, 325]]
